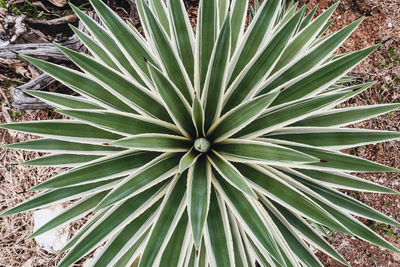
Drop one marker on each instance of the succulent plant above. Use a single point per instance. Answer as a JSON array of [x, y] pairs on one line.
[[218, 146]]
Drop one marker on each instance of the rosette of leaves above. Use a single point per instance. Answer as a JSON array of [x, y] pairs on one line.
[[213, 146]]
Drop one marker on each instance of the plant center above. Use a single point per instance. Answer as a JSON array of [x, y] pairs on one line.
[[202, 145]]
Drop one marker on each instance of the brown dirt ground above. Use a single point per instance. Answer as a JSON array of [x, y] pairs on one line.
[[382, 24]]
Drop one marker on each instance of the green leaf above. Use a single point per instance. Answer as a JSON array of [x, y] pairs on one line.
[[134, 94], [356, 227], [81, 83], [223, 9], [85, 228], [190, 256], [350, 91], [262, 258], [307, 19], [334, 138], [176, 105], [198, 116], [230, 173], [247, 215], [206, 32], [299, 248], [258, 31], [173, 65], [322, 77], [173, 254], [275, 188], [113, 48], [156, 142], [278, 117], [238, 19], [216, 233], [62, 100], [132, 47], [261, 152], [107, 167], [59, 146], [239, 252], [159, 10], [199, 188], [59, 195], [121, 123], [183, 35], [248, 250], [61, 160], [188, 159], [66, 130], [325, 28], [131, 255], [345, 116], [351, 205], [288, 12], [94, 48], [214, 86], [345, 181], [73, 212], [203, 257], [309, 60], [168, 216], [239, 117], [332, 160], [154, 172], [259, 67], [128, 239], [116, 217], [308, 233], [304, 38]]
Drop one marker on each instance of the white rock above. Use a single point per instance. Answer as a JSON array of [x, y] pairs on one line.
[[55, 239], [390, 25]]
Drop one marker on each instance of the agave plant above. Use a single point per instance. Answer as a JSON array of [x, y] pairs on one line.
[[214, 147]]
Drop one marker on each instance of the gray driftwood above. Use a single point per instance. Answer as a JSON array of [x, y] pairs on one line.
[[47, 51], [25, 101]]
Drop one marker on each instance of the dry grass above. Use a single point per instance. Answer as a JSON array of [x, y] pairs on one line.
[[14, 181]]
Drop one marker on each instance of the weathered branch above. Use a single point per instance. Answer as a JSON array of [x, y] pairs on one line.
[[22, 100], [48, 52], [25, 101]]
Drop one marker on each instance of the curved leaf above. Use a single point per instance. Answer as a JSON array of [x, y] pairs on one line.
[[168, 217], [177, 106], [214, 86], [61, 160], [156, 171], [59, 146], [334, 138], [345, 116], [118, 216], [199, 188], [230, 173], [66, 130], [121, 164], [262, 152], [156, 142], [121, 123], [63, 101]]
